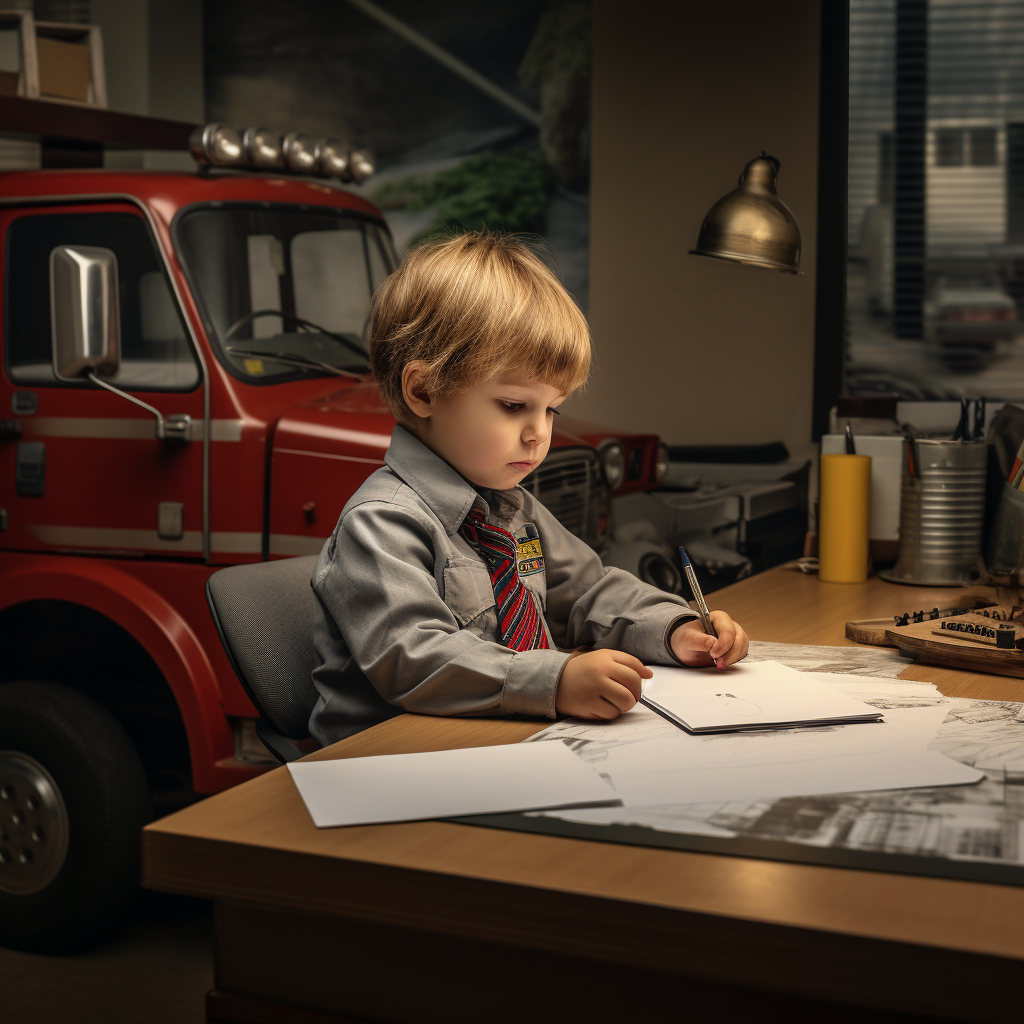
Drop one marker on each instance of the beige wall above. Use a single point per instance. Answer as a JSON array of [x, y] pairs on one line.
[[699, 350]]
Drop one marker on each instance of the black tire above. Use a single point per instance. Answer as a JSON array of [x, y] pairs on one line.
[[73, 799]]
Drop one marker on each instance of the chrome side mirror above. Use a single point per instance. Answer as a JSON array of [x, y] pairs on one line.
[[85, 323], [84, 312]]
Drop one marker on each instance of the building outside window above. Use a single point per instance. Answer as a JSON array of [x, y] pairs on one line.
[[935, 278]]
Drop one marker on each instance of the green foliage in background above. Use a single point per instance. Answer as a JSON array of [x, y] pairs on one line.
[[497, 191]]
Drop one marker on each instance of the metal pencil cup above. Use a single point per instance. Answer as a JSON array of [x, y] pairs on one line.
[[1006, 542], [942, 511]]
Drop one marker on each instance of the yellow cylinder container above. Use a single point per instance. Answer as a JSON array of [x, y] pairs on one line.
[[844, 515]]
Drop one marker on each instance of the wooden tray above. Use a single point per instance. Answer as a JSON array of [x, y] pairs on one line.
[[919, 641], [873, 631]]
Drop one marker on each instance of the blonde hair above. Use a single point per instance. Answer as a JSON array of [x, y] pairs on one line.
[[473, 306]]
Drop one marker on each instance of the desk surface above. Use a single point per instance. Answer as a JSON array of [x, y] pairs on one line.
[[627, 904]]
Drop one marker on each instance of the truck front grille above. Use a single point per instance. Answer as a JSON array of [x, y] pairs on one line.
[[570, 485]]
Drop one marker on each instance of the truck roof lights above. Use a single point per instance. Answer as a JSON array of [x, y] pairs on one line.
[[332, 158], [263, 149], [361, 164], [300, 153], [219, 145]]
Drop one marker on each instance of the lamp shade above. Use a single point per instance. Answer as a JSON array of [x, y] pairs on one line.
[[752, 224]]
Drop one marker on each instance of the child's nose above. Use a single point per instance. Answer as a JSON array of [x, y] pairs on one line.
[[536, 430]]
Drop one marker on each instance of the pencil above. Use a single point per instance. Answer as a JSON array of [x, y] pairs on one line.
[[698, 596]]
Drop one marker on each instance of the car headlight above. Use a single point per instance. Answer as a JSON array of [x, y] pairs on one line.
[[661, 463], [613, 463]]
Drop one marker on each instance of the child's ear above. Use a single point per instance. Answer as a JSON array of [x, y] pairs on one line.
[[413, 391]]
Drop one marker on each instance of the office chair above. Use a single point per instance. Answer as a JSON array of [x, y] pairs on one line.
[[264, 619]]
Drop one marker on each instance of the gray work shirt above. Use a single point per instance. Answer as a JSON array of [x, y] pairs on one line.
[[404, 614]]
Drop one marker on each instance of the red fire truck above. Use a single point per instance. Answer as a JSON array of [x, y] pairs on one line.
[[230, 424]]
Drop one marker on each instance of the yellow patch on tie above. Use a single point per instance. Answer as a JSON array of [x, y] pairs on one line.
[[530, 555]]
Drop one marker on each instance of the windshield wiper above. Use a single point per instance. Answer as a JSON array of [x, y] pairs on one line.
[[296, 360]]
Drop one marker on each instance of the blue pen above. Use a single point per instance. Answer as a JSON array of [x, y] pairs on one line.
[[702, 607]]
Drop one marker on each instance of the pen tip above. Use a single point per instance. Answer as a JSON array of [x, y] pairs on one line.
[[682, 556]]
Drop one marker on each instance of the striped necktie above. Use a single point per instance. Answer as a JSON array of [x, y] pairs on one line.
[[519, 625]]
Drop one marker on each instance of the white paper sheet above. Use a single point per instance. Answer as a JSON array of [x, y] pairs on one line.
[[736, 707], [855, 773], [657, 763], [761, 675], [446, 783]]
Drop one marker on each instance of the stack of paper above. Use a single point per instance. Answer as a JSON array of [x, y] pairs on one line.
[[734, 708]]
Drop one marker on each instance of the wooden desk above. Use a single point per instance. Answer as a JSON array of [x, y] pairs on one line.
[[439, 921]]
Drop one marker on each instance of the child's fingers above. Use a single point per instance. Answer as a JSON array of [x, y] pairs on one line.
[[726, 639], [625, 678], [694, 640], [634, 663], [738, 649], [619, 694]]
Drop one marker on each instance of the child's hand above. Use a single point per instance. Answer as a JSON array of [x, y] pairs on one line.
[[692, 646], [600, 684]]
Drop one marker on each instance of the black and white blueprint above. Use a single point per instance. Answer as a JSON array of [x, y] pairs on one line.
[[983, 821]]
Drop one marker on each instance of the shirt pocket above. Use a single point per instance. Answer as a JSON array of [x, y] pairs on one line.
[[467, 590]]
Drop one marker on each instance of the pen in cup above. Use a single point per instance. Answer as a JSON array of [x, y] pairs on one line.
[[698, 597]]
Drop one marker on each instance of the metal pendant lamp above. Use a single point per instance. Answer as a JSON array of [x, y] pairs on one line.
[[752, 225]]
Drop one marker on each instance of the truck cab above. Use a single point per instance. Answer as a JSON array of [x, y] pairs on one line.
[[229, 423]]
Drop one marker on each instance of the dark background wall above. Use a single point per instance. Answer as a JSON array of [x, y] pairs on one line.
[[316, 66], [683, 96]]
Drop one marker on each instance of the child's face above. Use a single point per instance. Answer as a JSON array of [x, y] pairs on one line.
[[494, 433]]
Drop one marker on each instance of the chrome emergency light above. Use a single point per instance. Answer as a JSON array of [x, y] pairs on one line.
[[332, 158], [300, 153], [361, 164], [263, 148], [219, 145]]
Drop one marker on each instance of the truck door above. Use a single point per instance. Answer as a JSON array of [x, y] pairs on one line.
[[87, 473]]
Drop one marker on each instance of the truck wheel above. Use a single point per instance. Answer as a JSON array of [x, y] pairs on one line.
[[73, 798]]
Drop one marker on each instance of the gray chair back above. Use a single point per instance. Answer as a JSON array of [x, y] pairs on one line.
[[264, 617]]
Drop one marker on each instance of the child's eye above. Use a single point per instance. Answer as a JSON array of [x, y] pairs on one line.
[[512, 406], [555, 411]]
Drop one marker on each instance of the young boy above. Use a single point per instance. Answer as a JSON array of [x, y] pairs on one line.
[[445, 588]]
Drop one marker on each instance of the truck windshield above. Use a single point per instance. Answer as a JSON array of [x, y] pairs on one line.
[[285, 292]]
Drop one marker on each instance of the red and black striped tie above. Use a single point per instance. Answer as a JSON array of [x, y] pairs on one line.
[[519, 625]]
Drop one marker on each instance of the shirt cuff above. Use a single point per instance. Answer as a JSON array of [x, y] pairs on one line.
[[531, 682], [652, 633]]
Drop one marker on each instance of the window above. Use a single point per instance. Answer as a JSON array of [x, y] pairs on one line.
[[155, 352], [285, 290], [935, 276]]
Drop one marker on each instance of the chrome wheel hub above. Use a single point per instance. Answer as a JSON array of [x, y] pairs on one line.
[[33, 825]]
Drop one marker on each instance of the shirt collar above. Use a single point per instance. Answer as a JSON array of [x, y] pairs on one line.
[[446, 491]]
